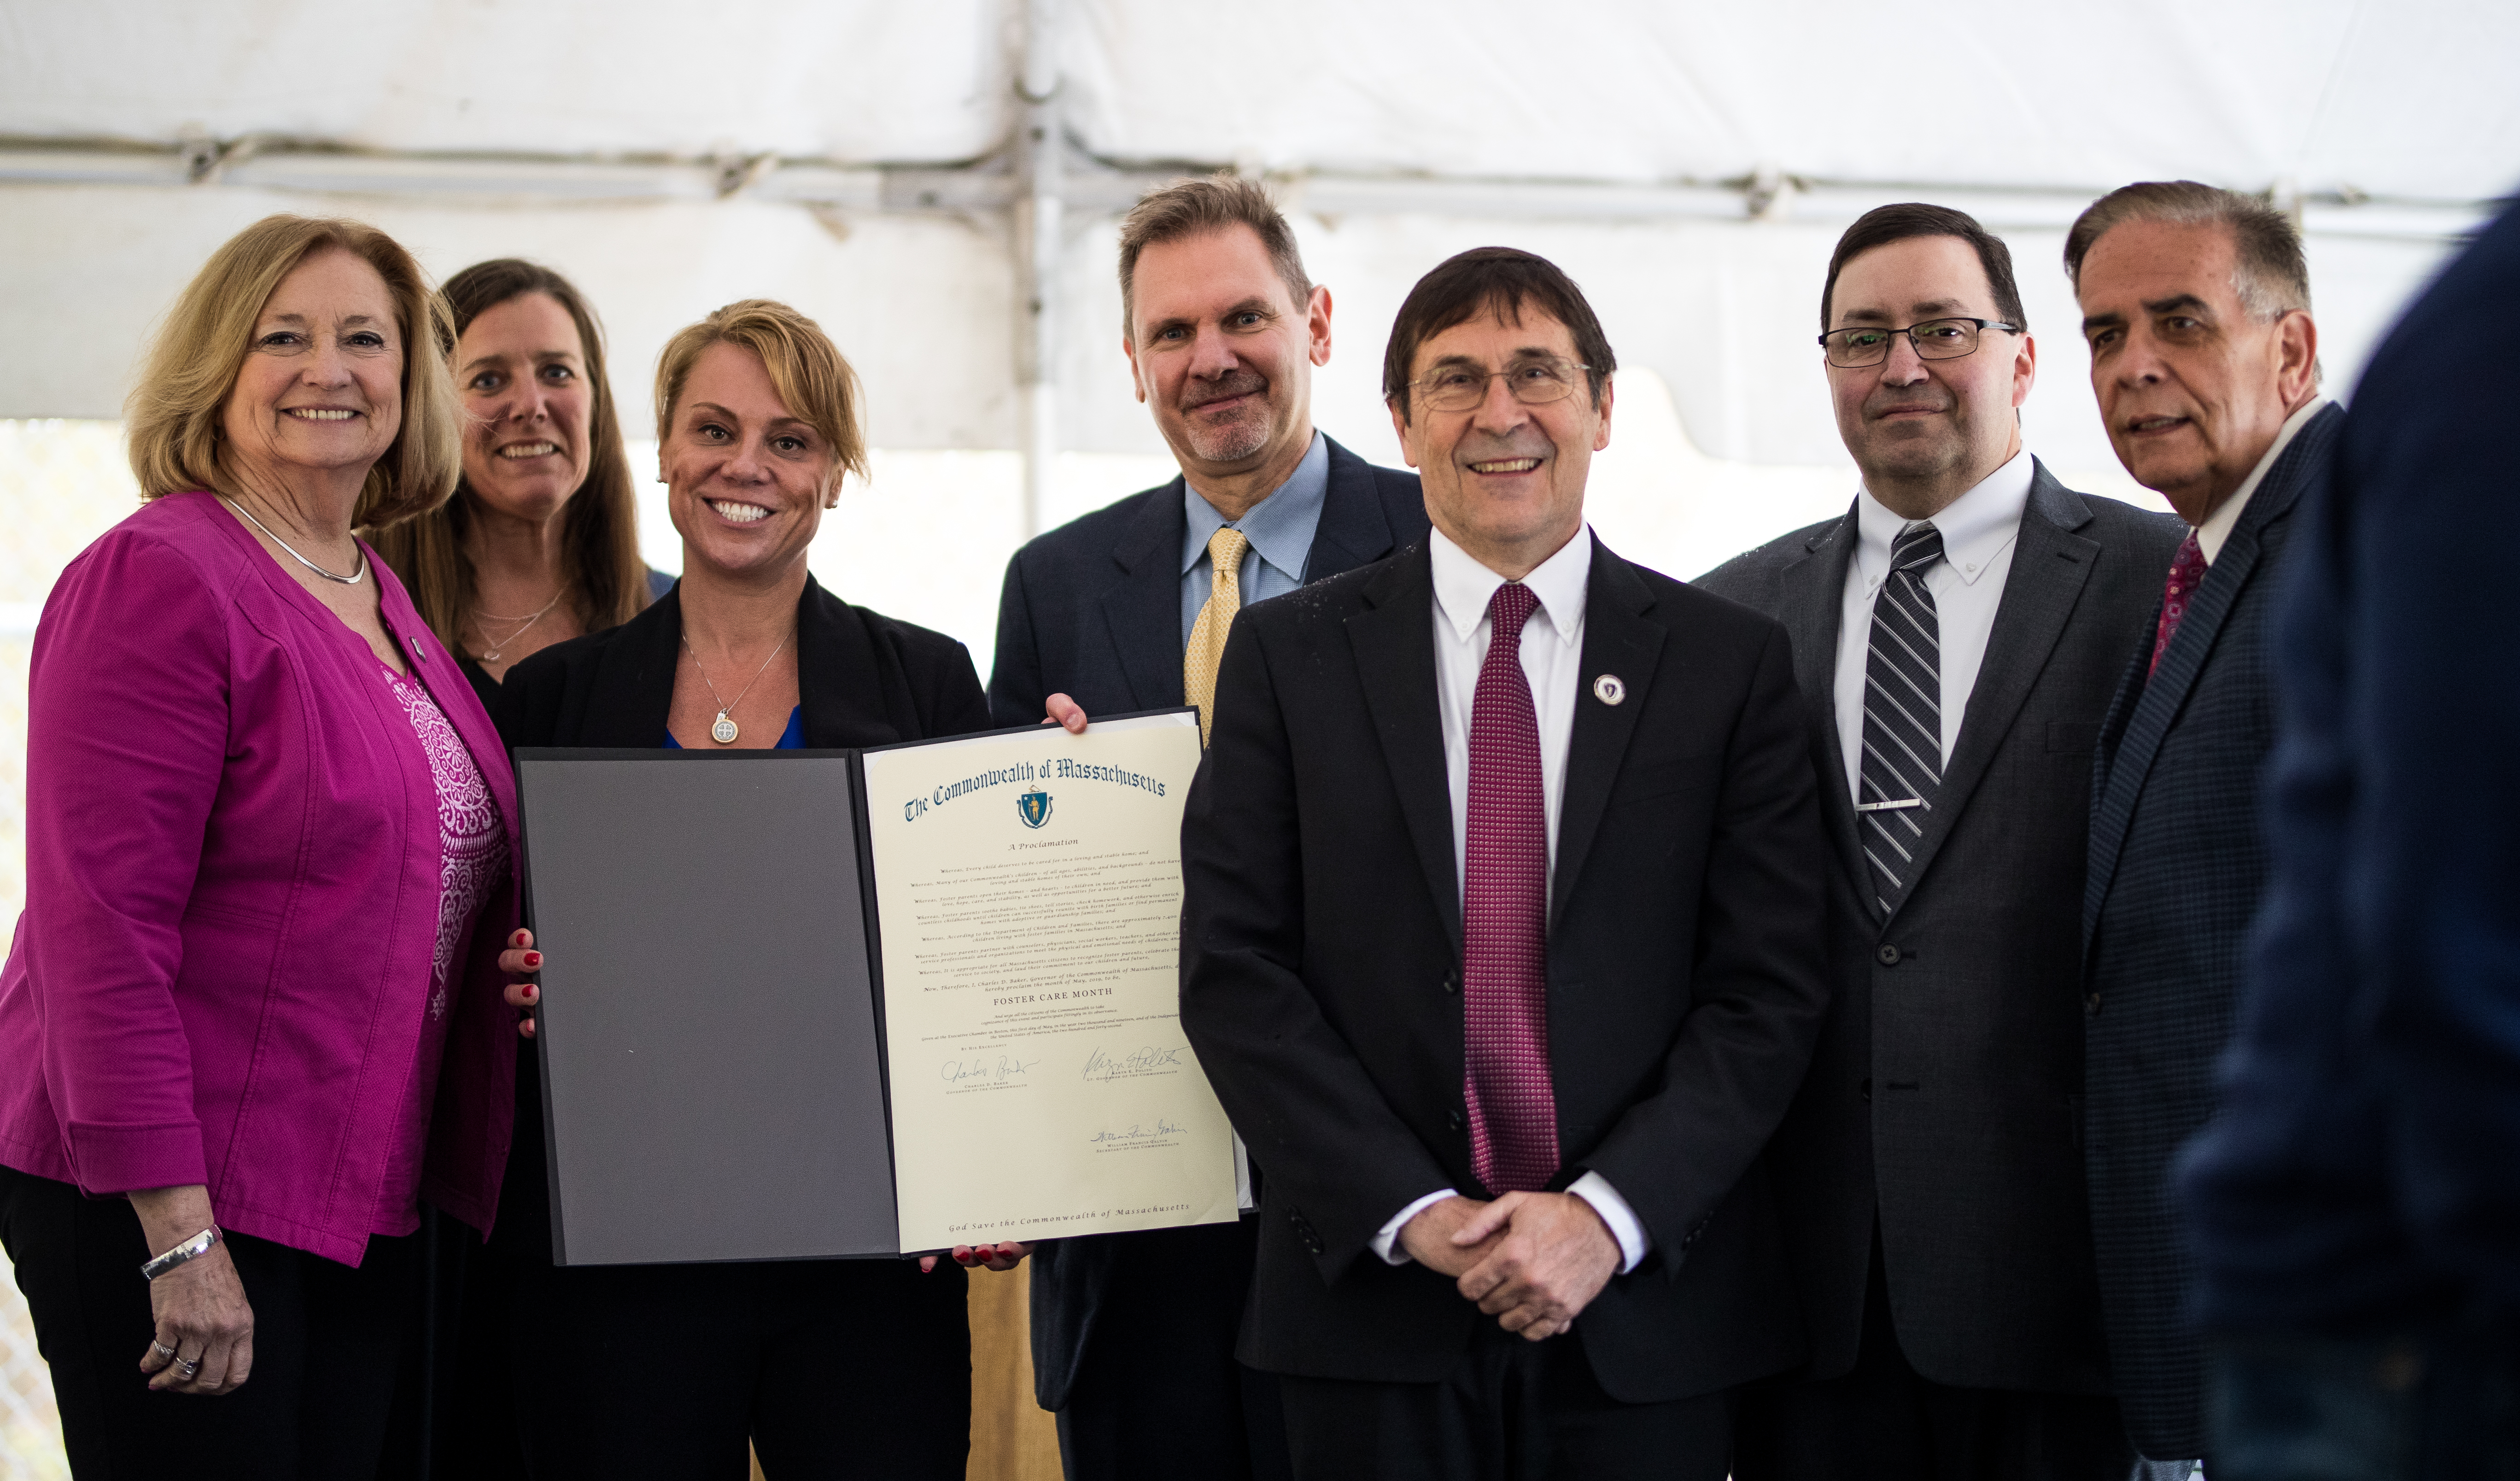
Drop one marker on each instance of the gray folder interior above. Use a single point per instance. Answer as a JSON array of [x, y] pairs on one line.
[[711, 1084]]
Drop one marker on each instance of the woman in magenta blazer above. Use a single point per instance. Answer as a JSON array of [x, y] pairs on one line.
[[253, 1015]]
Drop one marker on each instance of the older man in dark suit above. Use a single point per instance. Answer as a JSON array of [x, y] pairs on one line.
[[1956, 636], [1128, 608], [2196, 304], [1500, 946]]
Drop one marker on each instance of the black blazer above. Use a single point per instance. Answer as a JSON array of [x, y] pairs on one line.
[[1948, 1085], [1093, 608], [1321, 968], [862, 678], [2178, 864]]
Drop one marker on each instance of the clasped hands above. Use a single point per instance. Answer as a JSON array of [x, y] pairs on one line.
[[1530, 1260]]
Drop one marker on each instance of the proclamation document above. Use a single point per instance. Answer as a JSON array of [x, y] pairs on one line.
[[1028, 897]]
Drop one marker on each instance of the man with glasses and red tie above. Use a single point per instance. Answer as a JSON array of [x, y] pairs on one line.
[[1501, 944], [2205, 360], [1956, 636]]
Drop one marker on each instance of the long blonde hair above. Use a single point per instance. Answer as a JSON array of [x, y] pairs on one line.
[[598, 541], [174, 412]]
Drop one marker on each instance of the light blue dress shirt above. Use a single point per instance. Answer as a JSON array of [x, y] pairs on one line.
[[1280, 529]]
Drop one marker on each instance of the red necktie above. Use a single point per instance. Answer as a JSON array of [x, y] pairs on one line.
[[2187, 573], [1505, 919]]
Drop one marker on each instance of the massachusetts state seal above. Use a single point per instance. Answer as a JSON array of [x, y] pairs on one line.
[[1033, 807]]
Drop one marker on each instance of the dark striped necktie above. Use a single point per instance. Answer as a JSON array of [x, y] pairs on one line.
[[1903, 716]]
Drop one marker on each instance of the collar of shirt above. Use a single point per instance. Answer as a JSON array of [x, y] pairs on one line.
[[1280, 527], [2217, 526], [1976, 527], [1464, 587]]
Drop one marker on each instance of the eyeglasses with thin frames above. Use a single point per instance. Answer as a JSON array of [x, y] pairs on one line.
[[1533, 383], [1933, 339]]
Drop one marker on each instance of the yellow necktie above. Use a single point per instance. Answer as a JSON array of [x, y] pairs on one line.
[[1206, 648]]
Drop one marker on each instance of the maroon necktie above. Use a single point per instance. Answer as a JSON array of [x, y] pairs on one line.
[[1505, 919], [2187, 573]]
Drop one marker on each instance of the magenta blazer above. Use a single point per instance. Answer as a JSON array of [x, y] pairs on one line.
[[232, 897]]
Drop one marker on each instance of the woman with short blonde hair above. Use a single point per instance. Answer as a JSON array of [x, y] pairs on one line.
[[253, 1015], [829, 1367]]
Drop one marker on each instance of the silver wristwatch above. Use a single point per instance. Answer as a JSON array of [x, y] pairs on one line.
[[190, 1250]]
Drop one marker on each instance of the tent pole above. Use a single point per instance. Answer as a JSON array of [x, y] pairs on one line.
[[1038, 214]]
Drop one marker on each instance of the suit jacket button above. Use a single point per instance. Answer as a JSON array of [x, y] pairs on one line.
[[1456, 1118], [2092, 1006], [1864, 1087], [1888, 954], [1452, 982]]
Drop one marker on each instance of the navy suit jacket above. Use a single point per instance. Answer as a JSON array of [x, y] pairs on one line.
[[2177, 864], [2362, 1174], [1092, 610]]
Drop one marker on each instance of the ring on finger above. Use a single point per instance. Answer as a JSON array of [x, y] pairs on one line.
[[189, 1370], [156, 1346]]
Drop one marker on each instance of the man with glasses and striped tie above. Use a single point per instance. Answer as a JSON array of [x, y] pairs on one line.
[[1957, 637]]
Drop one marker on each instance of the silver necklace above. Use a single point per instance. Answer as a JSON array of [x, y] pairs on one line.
[[483, 619], [353, 579], [723, 732]]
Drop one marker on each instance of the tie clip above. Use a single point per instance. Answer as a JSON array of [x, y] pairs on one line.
[[1888, 807]]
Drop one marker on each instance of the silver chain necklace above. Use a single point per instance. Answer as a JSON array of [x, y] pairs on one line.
[[353, 579], [723, 732], [482, 621]]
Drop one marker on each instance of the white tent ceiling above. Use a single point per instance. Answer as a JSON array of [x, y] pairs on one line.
[[1689, 163]]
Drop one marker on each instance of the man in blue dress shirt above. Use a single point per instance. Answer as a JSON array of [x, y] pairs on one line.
[[1128, 608]]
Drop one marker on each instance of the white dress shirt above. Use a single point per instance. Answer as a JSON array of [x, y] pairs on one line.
[[1552, 655], [1979, 529], [2217, 526]]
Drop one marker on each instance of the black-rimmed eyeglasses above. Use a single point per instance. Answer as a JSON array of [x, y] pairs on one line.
[[1934, 339]]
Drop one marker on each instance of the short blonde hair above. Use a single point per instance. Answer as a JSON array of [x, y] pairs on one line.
[[806, 369], [175, 410]]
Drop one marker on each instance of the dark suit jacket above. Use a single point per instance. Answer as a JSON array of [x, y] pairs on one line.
[[862, 678], [1092, 610], [1321, 968], [2178, 861], [1947, 1088]]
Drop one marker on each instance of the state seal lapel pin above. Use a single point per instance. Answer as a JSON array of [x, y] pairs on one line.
[[1609, 690]]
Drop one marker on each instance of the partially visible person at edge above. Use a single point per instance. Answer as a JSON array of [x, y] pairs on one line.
[[540, 543], [252, 1012], [2205, 362], [2356, 1202], [826, 1367], [1128, 608]]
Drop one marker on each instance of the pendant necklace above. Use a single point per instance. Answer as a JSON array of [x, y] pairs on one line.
[[482, 621], [723, 732], [353, 579]]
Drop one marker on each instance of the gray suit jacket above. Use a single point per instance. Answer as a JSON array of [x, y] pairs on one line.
[[1946, 1091], [2178, 861]]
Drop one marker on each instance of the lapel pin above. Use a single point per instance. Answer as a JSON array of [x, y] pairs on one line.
[[419, 653], [1609, 690]]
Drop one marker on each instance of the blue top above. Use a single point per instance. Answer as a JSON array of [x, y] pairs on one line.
[[792, 738], [1280, 527], [2365, 1172]]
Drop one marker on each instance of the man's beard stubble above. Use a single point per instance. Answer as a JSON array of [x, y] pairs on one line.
[[1242, 438]]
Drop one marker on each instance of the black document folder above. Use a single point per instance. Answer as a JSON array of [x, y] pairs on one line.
[[712, 1073]]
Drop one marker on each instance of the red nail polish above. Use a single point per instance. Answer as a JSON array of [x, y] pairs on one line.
[[533, 958]]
